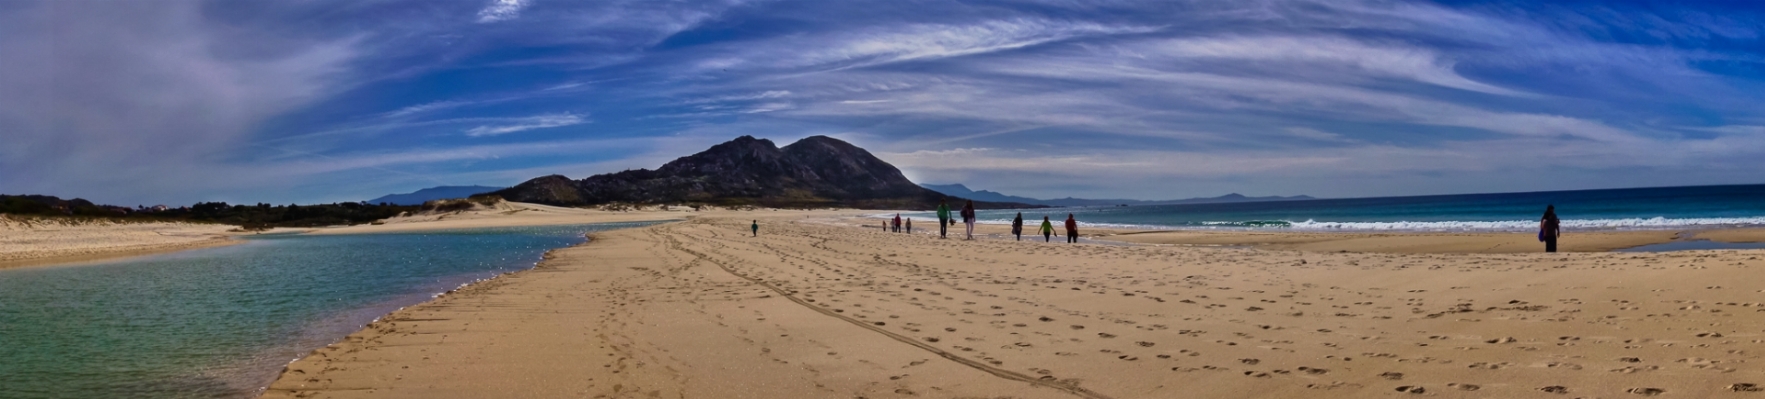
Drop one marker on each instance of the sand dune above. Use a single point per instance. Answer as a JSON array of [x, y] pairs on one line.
[[43, 241], [812, 309]]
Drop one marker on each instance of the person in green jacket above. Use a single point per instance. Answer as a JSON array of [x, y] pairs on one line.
[[756, 228], [1047, 229], [943, 219]]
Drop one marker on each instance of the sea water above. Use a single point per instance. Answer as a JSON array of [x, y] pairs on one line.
[[1619, 209], [221, 322]]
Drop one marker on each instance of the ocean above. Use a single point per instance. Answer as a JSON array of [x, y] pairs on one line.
[[1614, 209], [221, 322]]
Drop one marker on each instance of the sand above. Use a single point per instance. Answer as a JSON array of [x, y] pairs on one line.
[[1408, 242], [41, 241], [814, 308], [1732, 235], [509, 214]]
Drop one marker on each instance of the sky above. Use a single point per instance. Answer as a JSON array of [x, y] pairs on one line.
[[174, 101]]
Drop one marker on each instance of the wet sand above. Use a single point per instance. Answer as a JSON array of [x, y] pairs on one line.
[[1409, 242], [815, 308], [1733, 235]]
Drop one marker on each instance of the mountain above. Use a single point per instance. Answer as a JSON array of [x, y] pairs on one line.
[[964, 191], [983, 195], [816, 171], [433, 193]]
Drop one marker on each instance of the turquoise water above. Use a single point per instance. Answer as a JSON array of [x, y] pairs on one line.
[[1615, 209], [221, 322]]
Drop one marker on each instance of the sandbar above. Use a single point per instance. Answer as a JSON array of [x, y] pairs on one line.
[[814, 308]]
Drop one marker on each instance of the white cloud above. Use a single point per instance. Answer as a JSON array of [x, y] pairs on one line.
[[1294, 54], [501, 10], [900, 43], [425, 107], [768, 107], [117, 101], [528, 123]]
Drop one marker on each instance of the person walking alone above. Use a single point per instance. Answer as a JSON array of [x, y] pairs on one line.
[[943, 218], [1047, 229], [755, 227], [1072, 229], [1549, 228], [968, 217], [1017, 226]]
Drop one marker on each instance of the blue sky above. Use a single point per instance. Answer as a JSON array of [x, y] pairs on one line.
[[171, 101]]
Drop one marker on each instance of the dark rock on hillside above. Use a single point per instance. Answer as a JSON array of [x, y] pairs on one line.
[[813, 172]]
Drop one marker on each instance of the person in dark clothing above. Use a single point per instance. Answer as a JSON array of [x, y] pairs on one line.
[[756, 228], [1017, 226], [1072, 229], [909, 225], [968, 218], [897, 223], [1549, 228]]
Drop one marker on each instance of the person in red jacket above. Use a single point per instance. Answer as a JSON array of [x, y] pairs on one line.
[[1072, 229]]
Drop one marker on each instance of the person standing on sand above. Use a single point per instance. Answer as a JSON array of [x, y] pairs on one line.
[[968, 217], [755, 227], [909, 225], [1549, 228], [943, 218], [1017, 226], [897, 223], [1047, 229], [1072, 229]]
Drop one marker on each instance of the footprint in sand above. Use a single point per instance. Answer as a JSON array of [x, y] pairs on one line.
[[1646, 391], [1389, 375], [1557, 389]]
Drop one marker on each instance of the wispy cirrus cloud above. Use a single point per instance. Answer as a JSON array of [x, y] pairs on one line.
[[501, 10], [528, 123], [1168, 98]]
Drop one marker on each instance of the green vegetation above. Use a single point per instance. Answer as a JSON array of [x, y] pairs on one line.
[[259, 216]]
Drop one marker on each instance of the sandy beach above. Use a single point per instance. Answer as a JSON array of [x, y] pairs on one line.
[[815, 307], [37, 242]]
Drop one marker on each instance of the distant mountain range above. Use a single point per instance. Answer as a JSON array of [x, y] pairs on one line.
[[984, 195], [433, 193], [817, 171]]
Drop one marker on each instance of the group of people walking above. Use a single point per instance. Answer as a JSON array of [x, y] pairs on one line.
[[896, 225], [968, 219], [1549, 227]]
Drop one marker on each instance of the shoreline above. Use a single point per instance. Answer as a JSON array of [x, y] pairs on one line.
[[116, 253], [266, 390], [1373, 241], [698, 308], [39, 242]]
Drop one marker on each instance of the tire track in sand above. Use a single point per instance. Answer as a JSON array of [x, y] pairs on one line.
[[674, 242]]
